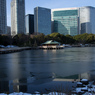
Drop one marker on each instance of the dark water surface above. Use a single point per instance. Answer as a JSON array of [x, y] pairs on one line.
[[45, 70]]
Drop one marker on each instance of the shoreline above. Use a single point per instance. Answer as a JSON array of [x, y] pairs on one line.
[[19, 49], [12, 50]]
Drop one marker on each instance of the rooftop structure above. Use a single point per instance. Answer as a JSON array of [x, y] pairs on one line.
[[51, 42]]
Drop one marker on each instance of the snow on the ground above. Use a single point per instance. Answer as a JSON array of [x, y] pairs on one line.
[[16, 93], [79, 83], [84, 80], [51, 93], [56, 93], [87, 93], [19, 93]]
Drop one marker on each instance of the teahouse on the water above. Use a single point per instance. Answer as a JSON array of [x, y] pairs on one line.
[[51, 44]]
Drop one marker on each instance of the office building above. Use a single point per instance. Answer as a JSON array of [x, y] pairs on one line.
[[42, 20], [74, 21], [29, 24], [3, 17], [8, 30], [87, 19], [65, 21], [17, 17]]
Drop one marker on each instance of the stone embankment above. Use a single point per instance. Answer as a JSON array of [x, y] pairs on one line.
[[12, 50]]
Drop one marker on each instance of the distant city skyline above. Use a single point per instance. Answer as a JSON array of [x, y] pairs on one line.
[[52, 4], [74, 21]]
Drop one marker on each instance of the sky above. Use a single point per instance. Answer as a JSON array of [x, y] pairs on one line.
[[51, 4]]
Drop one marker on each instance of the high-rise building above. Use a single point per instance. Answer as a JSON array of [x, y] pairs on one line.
[[74, 21], [29, 24], [42, 20], [65, 21], [87, 19], [8, 30], [3, 17], [17, 17]]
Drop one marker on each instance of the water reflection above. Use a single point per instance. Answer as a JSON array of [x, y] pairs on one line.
[[18, 86], [44, 70], [42, 83]]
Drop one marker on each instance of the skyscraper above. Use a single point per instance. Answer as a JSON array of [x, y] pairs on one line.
[[74, 21], [42, 20], [29, 24], [3, 18], [17, 17], [8, 30], [87, 19], [65, 21]]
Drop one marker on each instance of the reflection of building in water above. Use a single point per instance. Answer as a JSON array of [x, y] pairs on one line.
[[45, 51], [16, 87], [41, 81], [84, 76], [4, 86], [11, 86], [20, 85], [88, 75], [54, 51]]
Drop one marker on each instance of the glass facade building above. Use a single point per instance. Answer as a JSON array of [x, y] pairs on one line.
[[17, 17], [74, 21], [29, 24], [3, 17], [65, 21], [42, 20], [87, 19]]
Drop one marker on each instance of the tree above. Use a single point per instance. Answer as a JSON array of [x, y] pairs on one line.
[[91, 38], [20, 39], [82, 38]]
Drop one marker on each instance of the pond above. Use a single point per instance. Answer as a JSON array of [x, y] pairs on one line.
[[45, 70]]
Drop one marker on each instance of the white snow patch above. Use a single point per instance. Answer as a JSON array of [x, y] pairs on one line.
[[84, 88], [19, 93], [56, 93], [79, 83], [87, 93], [84, 80], [37, 92]]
